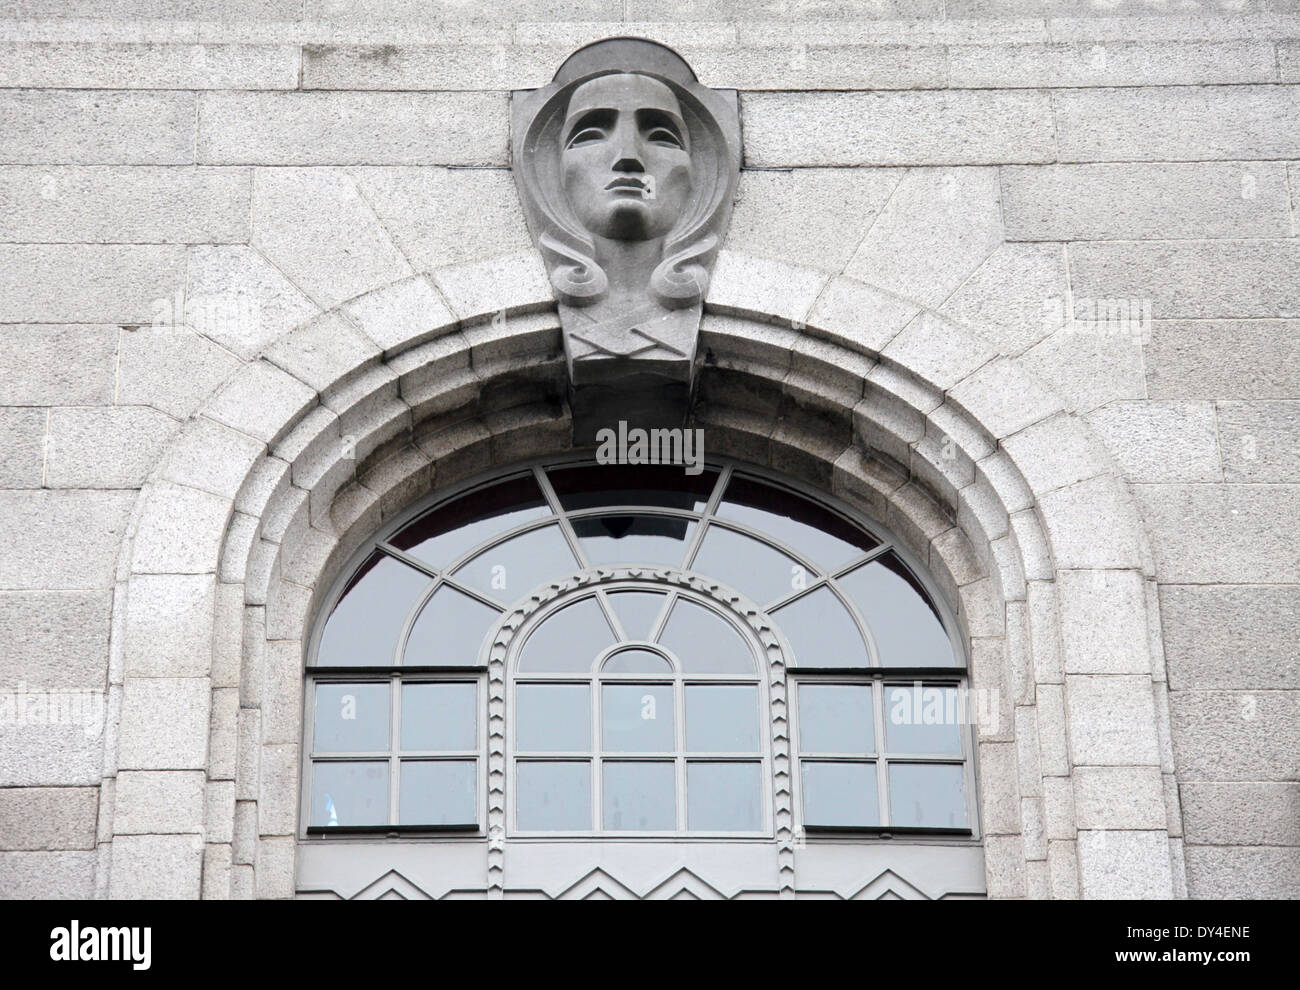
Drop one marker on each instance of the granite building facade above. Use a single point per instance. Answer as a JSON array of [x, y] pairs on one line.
[[1015, 282]]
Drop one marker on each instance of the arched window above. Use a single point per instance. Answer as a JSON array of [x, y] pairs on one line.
[[637, 695]]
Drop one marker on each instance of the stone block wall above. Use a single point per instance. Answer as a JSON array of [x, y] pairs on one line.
[[1104, 193]]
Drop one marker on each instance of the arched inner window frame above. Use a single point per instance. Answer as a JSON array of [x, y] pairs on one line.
[[678, 678], [958, 674]]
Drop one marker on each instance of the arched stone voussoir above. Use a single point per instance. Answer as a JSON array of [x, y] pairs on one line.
[[508, 285], [423, 383]]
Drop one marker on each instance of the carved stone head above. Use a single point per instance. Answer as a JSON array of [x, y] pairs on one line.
[[627, 169]]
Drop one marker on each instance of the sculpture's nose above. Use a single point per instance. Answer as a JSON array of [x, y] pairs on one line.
[[627, 151]]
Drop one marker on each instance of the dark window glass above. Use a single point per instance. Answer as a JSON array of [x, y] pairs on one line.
[[365, 624], [705, 642], [349, 793], [640, 796], [594, 485], [840, 794], [351, 718], [511, 569], [634, 539], [822, 632], [638, 718], [553, 718], [637, 662], [927, 794], [827, 538], [836, 718], [637, 611], [721, 718], [723, 797], [569, 640], [438, 792], [899, 614], [924, 721], [447, 532], [439, 716], [760, 572], [449, 631], [553, 797]]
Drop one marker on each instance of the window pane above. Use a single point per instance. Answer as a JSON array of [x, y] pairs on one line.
[[446, 533], [822, 632], [840, 794], [756, 570], [438, 792], [351, 718], [634, 539], [552, 797], [594, 485], [637, 611], [638, 718], [721, 718], [640, 796], [510, 570], [365, 625], [723, 797], [449, 631], [905, 625], [568, 640], [801, 524], [836, 718], [637, 662], [349, 794], [705, 642], [927, 795], [439, 716], [553, 718], [922, 721]]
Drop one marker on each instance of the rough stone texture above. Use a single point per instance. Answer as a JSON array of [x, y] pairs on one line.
[[156, 866], [48, 818], [999, 180], [47, 875], [1124, 865], [1161, 441], [895, 128], [61, 539], [1220, 813], [1259, 441], [57, 639], [1177, 123], [1231, 636], [1235, 735], [1238, 523], [1145, 201], [104, 448], [1222, 359], [351, 129], [1123, 705], [1234, 871]]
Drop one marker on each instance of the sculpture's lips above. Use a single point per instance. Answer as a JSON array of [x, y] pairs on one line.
[[627, 183]]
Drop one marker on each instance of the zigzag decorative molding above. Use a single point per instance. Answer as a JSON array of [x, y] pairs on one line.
[[681, 884]]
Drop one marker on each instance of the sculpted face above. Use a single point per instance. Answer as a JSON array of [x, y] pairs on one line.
[[625, 157]]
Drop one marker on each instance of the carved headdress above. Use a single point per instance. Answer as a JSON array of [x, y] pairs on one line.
[[642, 336]]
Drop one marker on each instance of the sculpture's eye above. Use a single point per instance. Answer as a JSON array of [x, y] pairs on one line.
[[663, 136], [587, 135]]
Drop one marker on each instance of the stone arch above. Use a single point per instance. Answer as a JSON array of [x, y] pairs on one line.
[[904, 414]]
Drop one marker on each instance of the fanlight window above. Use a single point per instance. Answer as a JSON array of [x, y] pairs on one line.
[[639, 705]]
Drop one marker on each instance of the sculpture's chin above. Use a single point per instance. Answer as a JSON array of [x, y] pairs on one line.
[[630, 220]]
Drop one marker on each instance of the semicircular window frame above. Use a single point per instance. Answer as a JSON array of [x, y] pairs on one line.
[[702, 506]]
